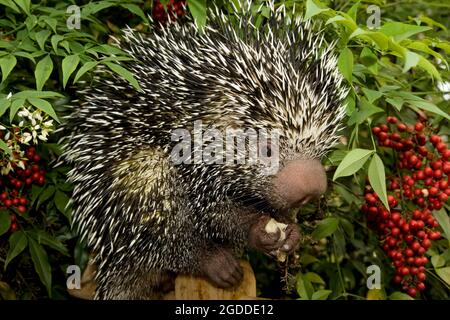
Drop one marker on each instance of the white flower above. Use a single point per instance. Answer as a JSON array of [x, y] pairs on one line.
[[9, 96], [2, 127], [20, 164], [37, 116], [21, 123], [44, 132], [33, 122], [7, 135], [23, 113], [34, 133], [27, 137], [42, 137], [48, 123], [37, 127]]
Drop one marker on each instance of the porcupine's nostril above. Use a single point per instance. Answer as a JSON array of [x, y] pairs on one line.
[[300, 181]]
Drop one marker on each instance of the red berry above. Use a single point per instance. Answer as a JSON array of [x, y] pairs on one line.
[[22, 209], [435, 139], [441, 147], [421, 286], [401, 127], [391, 119], [416, 246], [376, 130], [419, 126], [421, 276], [8, 203], [412, 292]]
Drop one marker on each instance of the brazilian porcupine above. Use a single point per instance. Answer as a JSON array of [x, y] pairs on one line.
[[147, 218]]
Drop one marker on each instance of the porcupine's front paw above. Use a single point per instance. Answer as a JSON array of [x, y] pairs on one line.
[[222, 269], [273, 243]]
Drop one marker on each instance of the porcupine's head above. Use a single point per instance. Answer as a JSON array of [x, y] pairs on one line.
[[280, 77]]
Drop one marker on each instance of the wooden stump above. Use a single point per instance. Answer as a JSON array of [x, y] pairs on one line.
[[186, 287], [195, 288]]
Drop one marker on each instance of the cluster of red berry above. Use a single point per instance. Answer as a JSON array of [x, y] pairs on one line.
[[16, 185], [175, 9], [420, 186]]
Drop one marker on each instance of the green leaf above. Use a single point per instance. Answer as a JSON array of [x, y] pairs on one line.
[[48, 240], [43, 71], [7, 63], [44, 106], [41, 38], [352, 12], [366, 110], [15, 106], [24, 5], [17, 243], [396, 102], [321, 294], [444, 221], [198, 11], [25, 55], [367, 57], [348, 227], [314, 278], [313, 9], [4, 105], [85, 68], [52, 23], [304, 287], [325, 228], [35, 193], [352, 162], [124, 73], [401, 31], [61, 200], [41, 264], [411, 60], [5, 221], [429, 67], [437, 261], [399, 296], [69, 64], [376, 294], [5, 147], [37, 94], [55, 40], [136, 10], [31, 21], [10, 4], [307, 259], [444, 274], [428, 106], [345, 63], [46, 194], [377, 179], [372, 95]]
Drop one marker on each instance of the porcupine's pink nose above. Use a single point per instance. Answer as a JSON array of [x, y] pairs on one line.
[[300, 181]]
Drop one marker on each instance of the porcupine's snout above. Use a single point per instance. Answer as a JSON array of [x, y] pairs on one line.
[[299, 182]]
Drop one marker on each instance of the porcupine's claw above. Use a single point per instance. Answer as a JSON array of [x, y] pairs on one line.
[[222, 269], [261, 240]]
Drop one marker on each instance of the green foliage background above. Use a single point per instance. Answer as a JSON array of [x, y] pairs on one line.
[[392, 70]]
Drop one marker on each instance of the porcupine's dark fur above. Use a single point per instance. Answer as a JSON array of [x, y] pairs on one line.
[[145, 217]]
